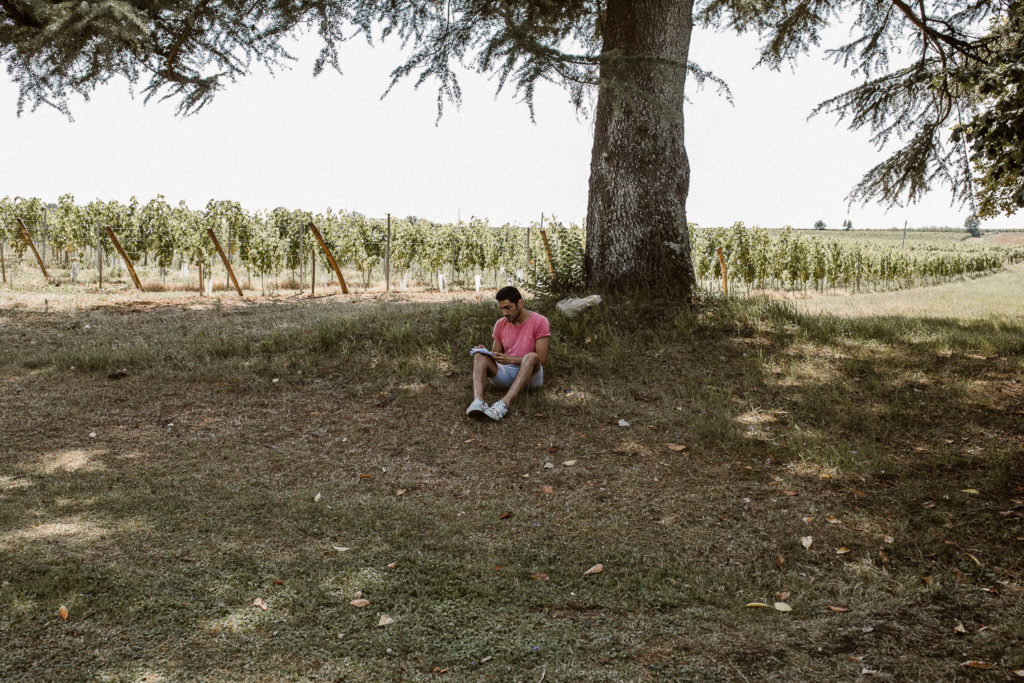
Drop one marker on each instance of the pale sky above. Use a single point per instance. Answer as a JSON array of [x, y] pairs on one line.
[[312, 143]]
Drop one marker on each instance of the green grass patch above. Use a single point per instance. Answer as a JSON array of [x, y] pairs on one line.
[[245, 443]]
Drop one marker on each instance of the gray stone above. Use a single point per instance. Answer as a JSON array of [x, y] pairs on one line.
[[571, 306]]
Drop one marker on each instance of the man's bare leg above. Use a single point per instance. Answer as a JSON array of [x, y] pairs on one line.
[[526, 369], [483, 367]]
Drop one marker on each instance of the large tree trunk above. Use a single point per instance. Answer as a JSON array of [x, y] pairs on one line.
[[637, 239]]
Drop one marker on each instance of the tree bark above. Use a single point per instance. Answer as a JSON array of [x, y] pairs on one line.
[[637, 239]]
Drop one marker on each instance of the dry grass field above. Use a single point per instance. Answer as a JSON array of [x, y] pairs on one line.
[[207, 484]]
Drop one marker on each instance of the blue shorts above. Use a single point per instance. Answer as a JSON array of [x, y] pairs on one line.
[[507, 374]]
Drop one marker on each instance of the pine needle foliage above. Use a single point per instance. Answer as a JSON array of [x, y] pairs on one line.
[[912, 57]]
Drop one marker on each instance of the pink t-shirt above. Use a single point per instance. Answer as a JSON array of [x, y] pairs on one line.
[[521, 339]]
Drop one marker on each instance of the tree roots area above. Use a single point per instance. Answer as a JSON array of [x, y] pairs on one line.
[[733, 490]]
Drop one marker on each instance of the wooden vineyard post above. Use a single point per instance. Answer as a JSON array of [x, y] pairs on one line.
[[224, 258], [725, 271], [3, 265], [312, 282], [99, 257], [28, 238], [330, 257], [124, 255], [547, 251], [387, 259]]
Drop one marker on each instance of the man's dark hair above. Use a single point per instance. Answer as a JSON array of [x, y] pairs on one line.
[[510, 294]]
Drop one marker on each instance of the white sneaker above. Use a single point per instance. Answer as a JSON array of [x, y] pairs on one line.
[[497, 411], [478, 408]]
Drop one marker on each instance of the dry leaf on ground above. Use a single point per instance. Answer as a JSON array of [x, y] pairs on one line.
[[755, 604], [392, 565], [539, 576], [596, 569], [975, 664], [782, 595], [675, 446], [341, 548], [842, 551], [806, 541], [258, 602], [971, 492], [623, 423], [568, 463], [361, 602], [832, 519], [836, 608], [385, 620], [316, 498], [63, 612], [546, 489], [783, 607]]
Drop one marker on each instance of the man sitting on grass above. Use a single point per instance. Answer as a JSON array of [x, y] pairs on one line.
[[516, 360]]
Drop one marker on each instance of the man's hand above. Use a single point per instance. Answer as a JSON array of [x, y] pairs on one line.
[[506, 359]]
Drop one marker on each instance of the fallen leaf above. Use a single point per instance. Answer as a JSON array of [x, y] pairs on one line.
[[975, 664], [972, 492], [365, 476], [867, 629], [504, 515], [546, 489], [832, 519], [392, 565], [439, 670], [552, 449], [959, 628], [400, 492], [859, 494], [498, 567], [928, 504], [976, 560], [549, 465], [385, 620], [486, 659], [596, 569], [470, 440], [1019, 673], [783, 607], [867, 672], [889, 539], [568, 463], [92, 435], [927, 580], [675, 446], [278, 582], [808, 520], [836, 608], [540, 576], [855, 658], [780, 561], [258, 602], [623, 423], [755, 604], [842, 551], [806, 541], [782, 595], [920, 449], [882, 556], [791, 493], [359, 602], [341, 548], [63, 612]]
